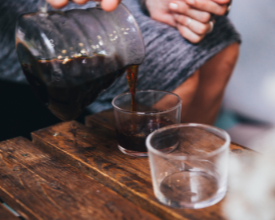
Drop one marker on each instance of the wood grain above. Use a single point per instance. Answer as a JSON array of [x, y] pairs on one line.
[[104, 118], [37, 186], [5, 214], [94, 151]]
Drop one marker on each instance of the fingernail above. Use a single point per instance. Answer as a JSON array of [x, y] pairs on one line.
[[190, 2], [173, 6]]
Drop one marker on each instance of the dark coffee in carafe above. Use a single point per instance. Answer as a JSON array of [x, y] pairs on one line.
[[67, 86], [69, 57]]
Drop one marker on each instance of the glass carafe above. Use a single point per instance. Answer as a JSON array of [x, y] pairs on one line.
[[70, 57]]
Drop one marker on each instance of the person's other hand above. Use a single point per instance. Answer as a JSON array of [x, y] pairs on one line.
[[107, 5], [193, 16], [186, 7], [159, 11], [216, 7], [193, 24]]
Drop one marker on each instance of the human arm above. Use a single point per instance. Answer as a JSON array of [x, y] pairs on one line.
[[107, 5]]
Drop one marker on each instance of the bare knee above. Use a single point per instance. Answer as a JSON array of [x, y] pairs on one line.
[[187, 90], [216, 72], [188, 87]]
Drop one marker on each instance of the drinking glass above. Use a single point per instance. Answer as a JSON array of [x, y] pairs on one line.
[[194, 174], [154, 109]]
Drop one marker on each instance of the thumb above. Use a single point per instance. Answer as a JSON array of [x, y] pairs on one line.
[[222, 2], [109, 5], [57, 3]]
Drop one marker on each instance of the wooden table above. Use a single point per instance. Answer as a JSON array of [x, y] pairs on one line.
[[72, 171]]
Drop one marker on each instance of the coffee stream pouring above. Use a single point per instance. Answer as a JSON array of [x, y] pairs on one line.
[[70, 57]]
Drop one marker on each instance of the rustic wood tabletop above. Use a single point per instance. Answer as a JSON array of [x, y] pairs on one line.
[[75, 171]]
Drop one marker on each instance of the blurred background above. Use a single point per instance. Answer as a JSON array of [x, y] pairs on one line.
[[249, 103]]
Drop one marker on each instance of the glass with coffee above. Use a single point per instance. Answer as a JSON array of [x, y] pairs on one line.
[[153, 109]]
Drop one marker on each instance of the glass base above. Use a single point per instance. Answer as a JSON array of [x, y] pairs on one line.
[[145, 154], [132, 153], [187, 189], [203, 204]]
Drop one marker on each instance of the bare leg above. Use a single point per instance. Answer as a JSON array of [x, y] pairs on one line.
[[202, 104], [187, 90]]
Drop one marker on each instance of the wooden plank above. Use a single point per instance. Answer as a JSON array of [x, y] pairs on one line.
[[106, 119], [37, 186], [5, 214], [94, 151]]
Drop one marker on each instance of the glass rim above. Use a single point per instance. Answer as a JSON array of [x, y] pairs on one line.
[[226, 144], [146, 112]]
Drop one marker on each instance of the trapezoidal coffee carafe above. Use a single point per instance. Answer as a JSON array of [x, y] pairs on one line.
[[70, 57]]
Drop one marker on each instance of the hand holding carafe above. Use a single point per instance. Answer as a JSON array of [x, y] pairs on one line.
[[107, 5]]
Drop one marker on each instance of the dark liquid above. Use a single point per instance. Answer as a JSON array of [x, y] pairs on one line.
[[132, 136], [132, 73], [68, 86]]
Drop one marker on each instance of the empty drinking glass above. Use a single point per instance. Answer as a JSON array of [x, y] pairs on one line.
[[194, 174]]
